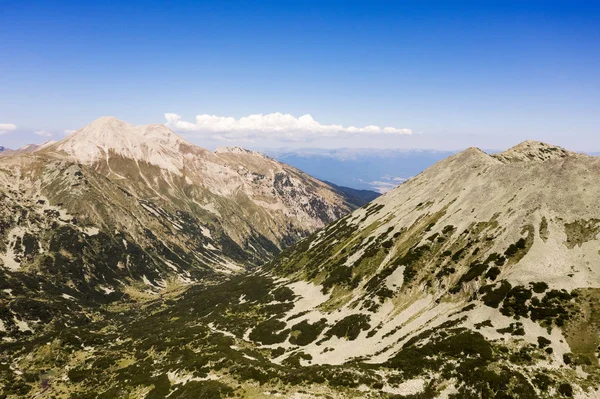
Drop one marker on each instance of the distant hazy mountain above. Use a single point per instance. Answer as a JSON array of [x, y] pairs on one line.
[[373, 169], [26, 149]]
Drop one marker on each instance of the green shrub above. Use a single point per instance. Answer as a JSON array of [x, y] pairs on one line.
[[565, 389], [350, 327], [493, 297], [515, 303], [267, 332], [539, 287], [493, 273], [543, 342], [304, 333]]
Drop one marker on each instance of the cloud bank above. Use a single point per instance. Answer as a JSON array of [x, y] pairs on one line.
[[284, 127], [386, 183], [43, 133], [7, 127]]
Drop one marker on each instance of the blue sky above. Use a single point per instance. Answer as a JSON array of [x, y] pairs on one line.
[[452, 73]]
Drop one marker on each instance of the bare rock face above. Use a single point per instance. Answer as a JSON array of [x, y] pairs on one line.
[[109, 136]]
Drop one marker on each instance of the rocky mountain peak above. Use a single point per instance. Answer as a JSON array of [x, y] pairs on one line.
[[237, 150], [532, 150], [105, 121], [26, 149], [36, 147], [154, 144], [232, 149], [472, 155], [469, 159], [122, 133]]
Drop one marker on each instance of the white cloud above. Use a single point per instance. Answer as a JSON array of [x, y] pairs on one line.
[[284, 127], [7, 127], [68, 132], [386, 183], [382, 186], [43, 133]]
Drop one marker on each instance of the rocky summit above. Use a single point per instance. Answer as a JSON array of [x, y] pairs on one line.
[[478, 278]]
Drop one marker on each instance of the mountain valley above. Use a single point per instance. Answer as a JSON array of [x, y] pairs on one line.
[[138, 268], [116, 212]]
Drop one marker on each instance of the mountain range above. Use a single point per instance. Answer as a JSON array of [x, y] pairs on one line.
[[116, 211], [136, 265]]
